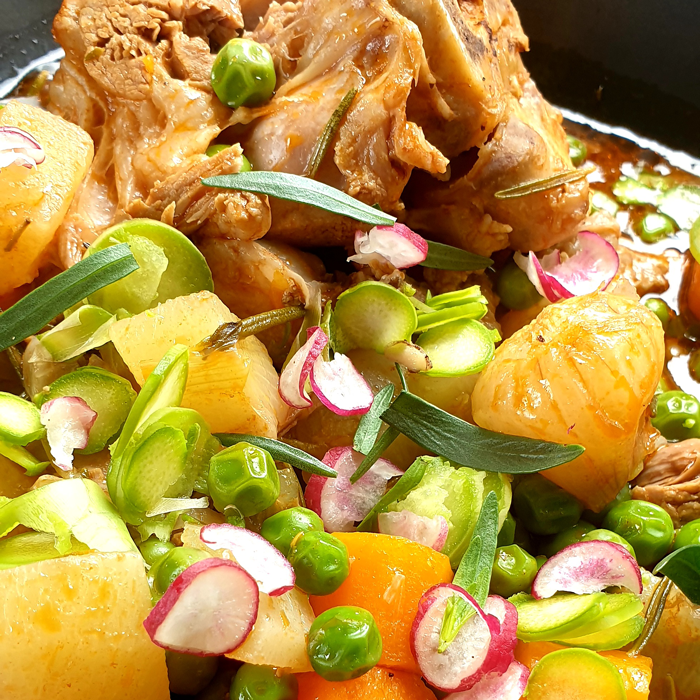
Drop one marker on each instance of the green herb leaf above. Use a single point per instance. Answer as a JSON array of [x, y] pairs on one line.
[[410, 479], [474, 572], [471, 446], [683, 568], [547, 183], [371, 422], [447, 257], [389, 435], [295, 188], [31, 313], [328, 133], [281, 452]]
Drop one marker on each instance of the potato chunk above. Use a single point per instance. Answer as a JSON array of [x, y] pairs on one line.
[[235, 390], [34, 202], [72, 628], [584, 371]]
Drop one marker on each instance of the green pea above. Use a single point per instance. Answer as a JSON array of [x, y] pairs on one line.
[[625, 494], [515, 289], [243, 476], [506, 535], [661, 309], [243, 74], [263, 683], [577, 151], [646, 526], [513, 571], [153, 549], [320, 562], [281, 528], [543, 507], [571, 535], [655, 227], [344, 643], [609, 536], [677, 415], [189, 674], [172, 564], [687, 535]]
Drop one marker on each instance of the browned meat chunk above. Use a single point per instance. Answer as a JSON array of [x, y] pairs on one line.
[[136, 77]]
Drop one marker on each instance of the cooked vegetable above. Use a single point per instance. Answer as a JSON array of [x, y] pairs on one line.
[[263, 683], [646, 526], [153, 549], [431, 532], [68, 421], [29, 547], [661, 309], [85, 329], [603, 202], [344, 643], [188, 674], [603, 535], [396, 245], [243, 74], [687, 535], [244, 477], [20, 421], [506, 535], [577, 151], [682, 204], [514, 571], [283, 527], [545, 508], [172, 563], [515, 289], [320, 562], [655, 227], [677, 415], [571, 535]]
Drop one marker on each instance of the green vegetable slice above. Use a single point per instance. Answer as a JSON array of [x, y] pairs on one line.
[[171, 266], [108, 394], [25, 459], [614, 637], [30, 547], [20, 421], [85, 329], [372, 315], [31, 313], [458, 348], [617, 607], [69, 508], [631, 191]]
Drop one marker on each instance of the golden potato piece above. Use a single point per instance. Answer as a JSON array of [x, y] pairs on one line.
[[235, 391], [72, 629], [584, 371], [34, 202]]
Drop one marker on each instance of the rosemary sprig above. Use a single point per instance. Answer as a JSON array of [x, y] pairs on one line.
[[328, 134], [655, 610], [547, 183]]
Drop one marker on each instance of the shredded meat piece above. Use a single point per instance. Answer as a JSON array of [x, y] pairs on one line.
[[646, 271], [136, 77], [671, 479]]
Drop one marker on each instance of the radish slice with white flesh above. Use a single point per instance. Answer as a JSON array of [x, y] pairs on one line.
[[507, 615], [469, 657], [340, 387], [208, 610], [588, 567], [498, 686], [593, 266], [266, 564], [340, 503], [294, 376], [432, 532], [68, 421], [17, 147], [397, 245]]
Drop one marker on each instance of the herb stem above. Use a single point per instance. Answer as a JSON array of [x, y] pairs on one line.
[[548, 183], [402, 378], [654, 612]]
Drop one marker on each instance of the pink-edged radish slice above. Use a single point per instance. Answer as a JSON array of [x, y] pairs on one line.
[[469, 657], [208, 610], [592, 266], [432, 532], [397, 245], [498, 686], [339, 503], [340, 387], [507, 615], [68, 421], [17, 147], [294, 376], [588, 567], [266, 564]]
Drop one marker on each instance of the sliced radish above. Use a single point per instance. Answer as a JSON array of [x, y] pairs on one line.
[[339, 503], [432, 532], [593, 266], [266, 564], [17, 147], [68, 421], [587, 567], [498, 686], [396, 244], [469, 657], [409, 355], [507, 615], [295, 375], [340, 387], [208, 610]]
